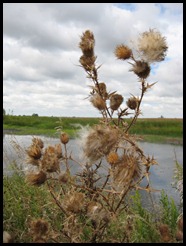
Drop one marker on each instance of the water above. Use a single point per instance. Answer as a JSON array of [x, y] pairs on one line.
[[161, 176]]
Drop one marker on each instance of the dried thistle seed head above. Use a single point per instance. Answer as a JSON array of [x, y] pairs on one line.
[[39, 228], [87, 43], [99, 141], [132, 102], [123, 52], [164, 232], [141, 69], [64, 138], [152, 46], [34, 151], [115, 101], [36, 178], [32, 161], [38, 141], [113, 158], [126, 171], [88, 63], [50, 160], [98, 102], [74, 202], [101, 88], [58, 150]]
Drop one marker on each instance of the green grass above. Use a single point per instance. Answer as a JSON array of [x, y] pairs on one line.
[[23, 203], [160, 130]]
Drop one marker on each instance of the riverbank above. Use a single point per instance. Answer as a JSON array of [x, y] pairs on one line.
[[142, 138], [154, 130]]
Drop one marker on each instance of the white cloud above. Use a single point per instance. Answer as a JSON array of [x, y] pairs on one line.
[[41, 56]]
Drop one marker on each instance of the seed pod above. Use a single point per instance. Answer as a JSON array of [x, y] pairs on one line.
[[98, 102], [36, 178], [115, 101], [123, 52], [141, 69], [64, 138], [132, 102], [34, 151], [112, 158]]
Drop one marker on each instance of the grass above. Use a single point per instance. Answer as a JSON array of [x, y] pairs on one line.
[[23, 203], [159, 130]]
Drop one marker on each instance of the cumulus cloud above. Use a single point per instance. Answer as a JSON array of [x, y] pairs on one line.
[[41, 72]]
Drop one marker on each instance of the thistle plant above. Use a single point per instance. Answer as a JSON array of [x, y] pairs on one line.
[[113, 164]]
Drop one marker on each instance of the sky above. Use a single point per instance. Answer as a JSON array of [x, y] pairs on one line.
[[41, 70]]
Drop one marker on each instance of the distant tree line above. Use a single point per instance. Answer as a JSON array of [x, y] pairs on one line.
[[4, 113]]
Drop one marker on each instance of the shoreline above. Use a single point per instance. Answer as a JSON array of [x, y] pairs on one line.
[[161, 140]]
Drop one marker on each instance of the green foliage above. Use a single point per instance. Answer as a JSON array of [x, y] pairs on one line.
[[22, 202], [159, 126], [169, 211], [144, 222], [178, 181]]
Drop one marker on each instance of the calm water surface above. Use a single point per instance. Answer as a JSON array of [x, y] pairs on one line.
[[161, 175]]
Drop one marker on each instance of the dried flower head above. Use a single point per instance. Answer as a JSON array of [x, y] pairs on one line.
[[32, 161], [87, 62], [123, 52], [113, 158], [101, 88], [99, 141], [126, 171], [50, 160], [152, 46], [165, 233], [38, 141], [64, 138], [36, 178], [115, 101], [141, 69], [58, 150], [74, 202], [39, 229], [87, 43], [34, 151], [98, 102], [132, 102]]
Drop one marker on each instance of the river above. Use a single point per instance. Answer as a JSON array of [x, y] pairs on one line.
[[161, 176]]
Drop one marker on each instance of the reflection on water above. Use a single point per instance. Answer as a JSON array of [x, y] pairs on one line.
[[161, 175]]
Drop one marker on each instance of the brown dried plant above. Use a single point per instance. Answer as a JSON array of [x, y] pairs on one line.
[[90, 198]]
